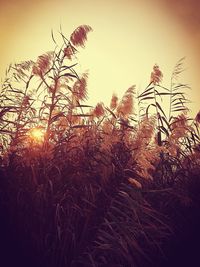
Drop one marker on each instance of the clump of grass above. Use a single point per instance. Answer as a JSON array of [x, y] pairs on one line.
[[94, 186]]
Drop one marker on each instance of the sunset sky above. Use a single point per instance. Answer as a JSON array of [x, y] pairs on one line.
[[129, 37]]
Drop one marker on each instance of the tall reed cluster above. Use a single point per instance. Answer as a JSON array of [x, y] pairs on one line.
[[94, 186]]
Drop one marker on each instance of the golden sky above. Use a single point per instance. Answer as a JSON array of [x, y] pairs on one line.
[[129, 37]]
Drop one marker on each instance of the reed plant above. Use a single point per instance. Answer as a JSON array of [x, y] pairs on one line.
[[94, 186]]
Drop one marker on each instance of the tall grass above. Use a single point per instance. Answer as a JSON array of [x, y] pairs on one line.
[[94, 186]]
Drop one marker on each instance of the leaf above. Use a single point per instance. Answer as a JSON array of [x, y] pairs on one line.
[[164, 130], [183, 86], [83, 106], [178, 103], [171, 118], [180, 109], [80, 126], [181, 94], [111, 112], [161, 93], [68, 75], [68, 67], [82, 115], [29, 80], [54, 118], [52, 36], [165, 120], [145, 94], [158, 105], [163, 87], [147, 109], [147, 90]]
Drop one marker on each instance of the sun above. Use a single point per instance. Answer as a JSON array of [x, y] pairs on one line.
[[37, 134]]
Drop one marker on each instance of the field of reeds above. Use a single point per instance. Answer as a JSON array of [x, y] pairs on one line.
[[100, 186]]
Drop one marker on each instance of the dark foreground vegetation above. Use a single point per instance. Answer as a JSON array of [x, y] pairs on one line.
[[96, 186]]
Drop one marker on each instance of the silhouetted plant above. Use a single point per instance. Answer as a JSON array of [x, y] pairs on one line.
[[93, 186]]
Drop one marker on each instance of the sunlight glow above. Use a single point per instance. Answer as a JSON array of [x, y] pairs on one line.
[[37, 134]]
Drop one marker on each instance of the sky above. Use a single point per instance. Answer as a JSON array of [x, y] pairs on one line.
[[128, 38]]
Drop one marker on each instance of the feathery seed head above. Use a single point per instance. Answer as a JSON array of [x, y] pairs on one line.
[[99, 110], [68, 52], [125, 106], [80, 88], [43, 64], [79, 35], [114, 100], [156, 75]]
